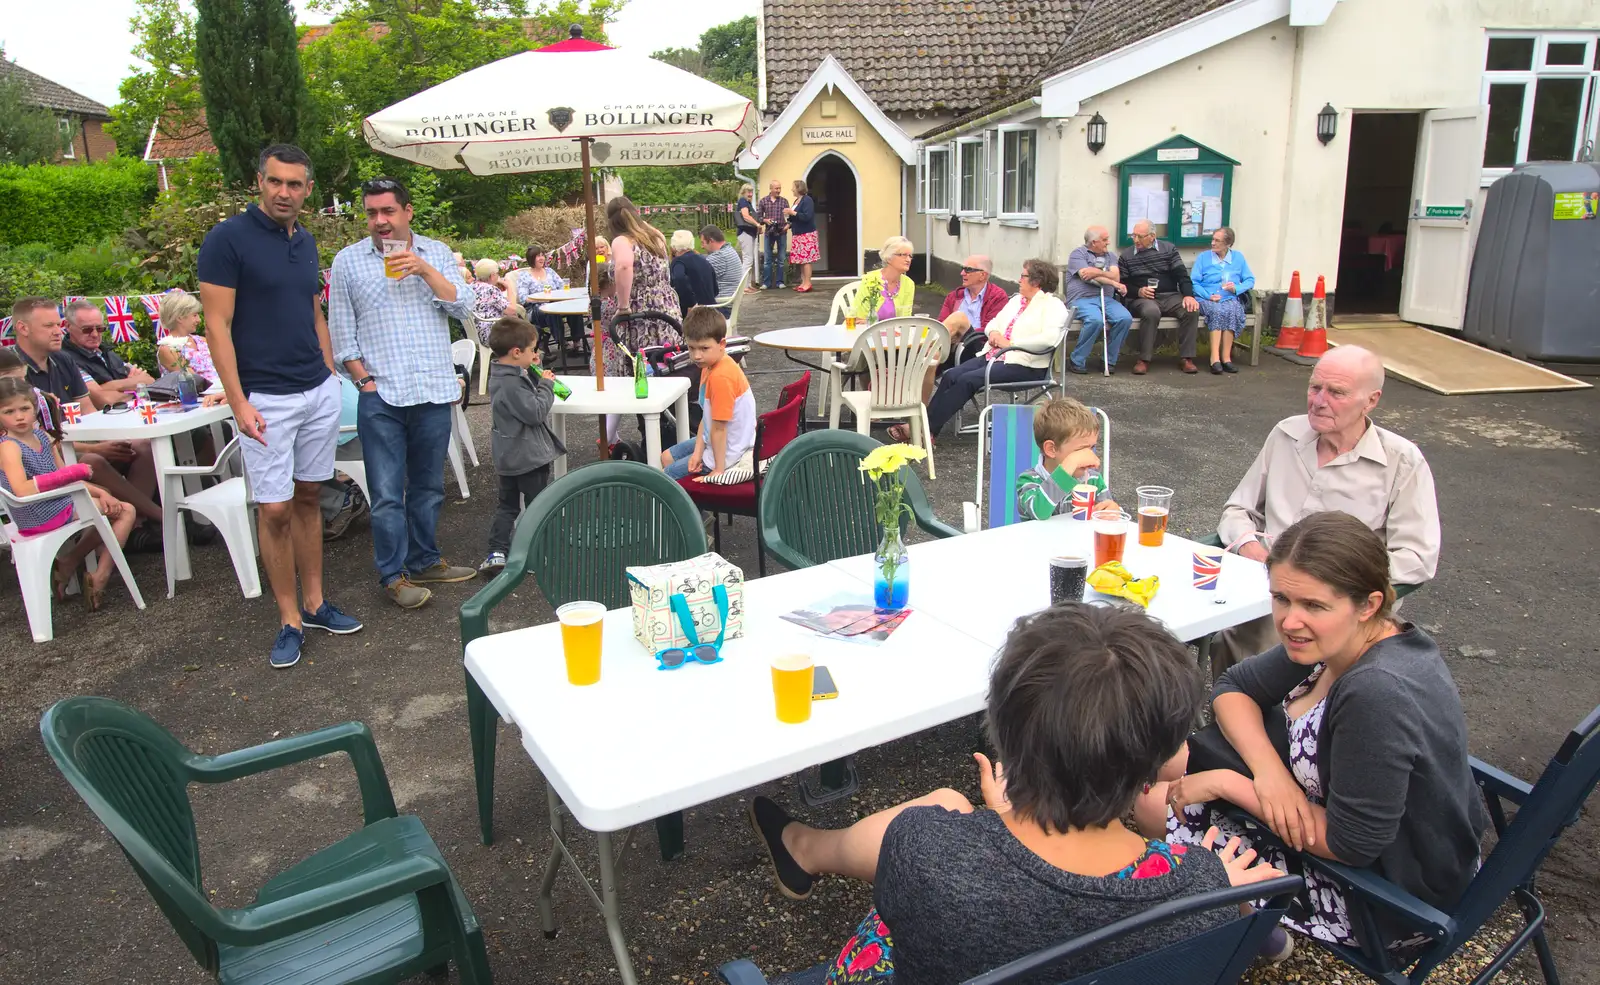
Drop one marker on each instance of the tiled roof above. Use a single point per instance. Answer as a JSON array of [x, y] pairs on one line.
[[952, 55], [1106, 26], [51, 95], [179, 139]]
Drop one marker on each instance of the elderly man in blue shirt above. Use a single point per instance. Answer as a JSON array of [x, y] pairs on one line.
[[389, 316]]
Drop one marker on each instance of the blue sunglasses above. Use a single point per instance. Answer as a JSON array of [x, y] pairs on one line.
[[674, 657]]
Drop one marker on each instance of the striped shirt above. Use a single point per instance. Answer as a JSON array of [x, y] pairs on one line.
[[728, 267], [397, 328], [1161, 261]]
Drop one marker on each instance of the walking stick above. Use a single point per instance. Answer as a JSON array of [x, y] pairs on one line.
[[1105, 333]]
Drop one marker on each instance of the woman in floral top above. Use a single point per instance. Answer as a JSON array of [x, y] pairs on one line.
[[1050, 858], [180, 316], [490, 302]]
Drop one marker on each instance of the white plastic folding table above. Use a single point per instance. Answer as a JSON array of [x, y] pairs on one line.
[[618, 398], [171, 446]]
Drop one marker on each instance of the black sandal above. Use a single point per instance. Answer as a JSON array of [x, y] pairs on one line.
[[769, 820]]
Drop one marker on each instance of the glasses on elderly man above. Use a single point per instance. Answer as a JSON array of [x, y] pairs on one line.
[[972, 270]]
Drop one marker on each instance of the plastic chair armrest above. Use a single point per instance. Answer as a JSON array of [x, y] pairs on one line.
[[1375, 889], [1401, 591], [267, 922], [352, 738], [741, 972], [474, 617], [1498, 782], [1033, 350], [40, 497], [1212, 539], [933, 525]]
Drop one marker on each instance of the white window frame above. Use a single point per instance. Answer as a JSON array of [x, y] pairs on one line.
[[1031, 214], [968, 209], [1589, 119], [64, 125], [928, 193]]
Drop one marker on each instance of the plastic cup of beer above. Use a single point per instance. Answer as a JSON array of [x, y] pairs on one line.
[[581, 625], [1110, 535], [791, 687], [390, 248], [1155, 503]]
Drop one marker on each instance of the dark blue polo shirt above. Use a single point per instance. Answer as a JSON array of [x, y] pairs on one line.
[[275, 279]]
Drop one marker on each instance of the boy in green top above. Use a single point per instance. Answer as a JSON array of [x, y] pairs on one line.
[[1066, 432]]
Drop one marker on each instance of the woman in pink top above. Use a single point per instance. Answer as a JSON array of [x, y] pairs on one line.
[[180, 316]]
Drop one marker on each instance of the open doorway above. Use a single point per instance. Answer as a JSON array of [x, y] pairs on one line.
[[832, 184], [1377, 202]]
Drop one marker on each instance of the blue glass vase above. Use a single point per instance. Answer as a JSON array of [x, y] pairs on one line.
[[891, 585]]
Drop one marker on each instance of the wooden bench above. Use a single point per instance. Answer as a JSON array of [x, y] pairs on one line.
[[1252, 325]]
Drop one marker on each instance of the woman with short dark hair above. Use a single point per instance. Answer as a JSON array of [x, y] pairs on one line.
[[1088, 706], [1369, 764]]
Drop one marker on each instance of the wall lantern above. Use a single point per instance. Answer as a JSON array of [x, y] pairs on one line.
[[1097, 133], [1327, 123]]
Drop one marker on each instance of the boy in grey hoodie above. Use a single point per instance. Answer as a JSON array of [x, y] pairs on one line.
[[523, 445]]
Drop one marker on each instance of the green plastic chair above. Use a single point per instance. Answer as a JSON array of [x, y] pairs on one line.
[[380, 906], [576, 539], [816, 506]]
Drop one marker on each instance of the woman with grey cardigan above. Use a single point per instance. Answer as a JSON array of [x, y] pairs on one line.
[[1374, 770]]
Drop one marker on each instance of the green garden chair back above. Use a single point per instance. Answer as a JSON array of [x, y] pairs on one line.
[[378, 906], [576, 539], [817, 506]]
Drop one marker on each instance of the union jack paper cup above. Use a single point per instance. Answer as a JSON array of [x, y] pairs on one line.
[[72, 412], [148, 412], [1207, 568], [1082, 501]]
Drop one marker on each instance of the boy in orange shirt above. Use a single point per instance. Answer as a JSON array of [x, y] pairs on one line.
[[728, 425]]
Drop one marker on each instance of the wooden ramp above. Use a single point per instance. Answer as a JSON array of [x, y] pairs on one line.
[[1445, 364]]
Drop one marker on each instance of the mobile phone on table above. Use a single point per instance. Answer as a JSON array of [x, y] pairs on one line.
[[822, 686]]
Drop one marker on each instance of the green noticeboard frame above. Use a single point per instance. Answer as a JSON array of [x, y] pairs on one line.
[[1186, 171]]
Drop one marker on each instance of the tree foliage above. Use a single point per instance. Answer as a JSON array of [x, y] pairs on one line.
[[28, 133], [249, 62], [168, 87], [729, 51]]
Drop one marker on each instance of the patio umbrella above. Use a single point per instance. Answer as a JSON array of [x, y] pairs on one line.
[[575, 104]]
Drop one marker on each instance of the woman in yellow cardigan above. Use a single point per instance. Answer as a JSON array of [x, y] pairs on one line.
[[887, 291]]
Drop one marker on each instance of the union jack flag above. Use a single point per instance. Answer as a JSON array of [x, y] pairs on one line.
[[6, 336], [152, 306], [120, 319]]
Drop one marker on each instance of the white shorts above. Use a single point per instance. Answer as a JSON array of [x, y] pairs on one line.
[[302, 436]]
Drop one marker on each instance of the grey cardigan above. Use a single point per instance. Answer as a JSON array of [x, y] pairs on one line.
[[1393, 761], [520, 404]]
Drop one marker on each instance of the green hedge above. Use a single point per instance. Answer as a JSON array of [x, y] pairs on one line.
[[68, 206]]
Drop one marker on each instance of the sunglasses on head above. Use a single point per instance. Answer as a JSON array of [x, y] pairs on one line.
[[674, 657], [377, 186]]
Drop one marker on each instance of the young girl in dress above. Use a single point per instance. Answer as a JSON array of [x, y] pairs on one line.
[[30, 464]]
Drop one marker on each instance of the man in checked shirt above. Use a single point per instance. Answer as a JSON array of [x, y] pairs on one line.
[[389, 317]]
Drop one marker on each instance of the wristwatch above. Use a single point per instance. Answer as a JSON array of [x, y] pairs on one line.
[[364, 381]]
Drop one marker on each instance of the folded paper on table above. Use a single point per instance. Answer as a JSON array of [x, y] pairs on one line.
[[849, 618], [652, 588]]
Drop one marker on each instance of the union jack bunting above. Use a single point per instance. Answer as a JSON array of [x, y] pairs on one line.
[[6, 336], [152, 307], [61, 309], [120, 318], [327, 286]]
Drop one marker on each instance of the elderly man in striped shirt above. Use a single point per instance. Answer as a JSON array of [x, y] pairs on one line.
[[389, 316], [724, 260]]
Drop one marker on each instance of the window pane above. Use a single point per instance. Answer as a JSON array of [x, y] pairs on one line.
[[938, 181], [1017, 184], [971, 176], [1557, 106], [1505, 118], [1564, 53], [1509, 54]]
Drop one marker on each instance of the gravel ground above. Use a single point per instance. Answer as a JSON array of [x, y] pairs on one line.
[[1512, 609]]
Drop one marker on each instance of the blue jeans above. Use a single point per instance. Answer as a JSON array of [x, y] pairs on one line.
[[405, 450], [680, 452], [1089, 310], [775, 250]]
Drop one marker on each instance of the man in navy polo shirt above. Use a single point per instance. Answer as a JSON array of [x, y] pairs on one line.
[[260, 287]]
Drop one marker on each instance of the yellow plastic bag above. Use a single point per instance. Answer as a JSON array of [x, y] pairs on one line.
[[1112, 578]]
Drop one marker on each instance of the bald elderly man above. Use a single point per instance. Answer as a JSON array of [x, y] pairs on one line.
[[1334, 458]]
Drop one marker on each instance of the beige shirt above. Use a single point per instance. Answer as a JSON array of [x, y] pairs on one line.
[[1384, 482]]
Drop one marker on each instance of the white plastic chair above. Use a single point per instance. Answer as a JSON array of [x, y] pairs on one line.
[[734, 301], [464, 352], [896, 354], [227, 505], [355, 468], [844, 302], [35, 556]]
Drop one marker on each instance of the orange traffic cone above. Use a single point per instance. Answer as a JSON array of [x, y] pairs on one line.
[[1294, 318], [1315, 342]]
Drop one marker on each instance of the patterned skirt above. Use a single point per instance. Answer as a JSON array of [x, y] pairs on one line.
[[803, 248], [1226, 315]]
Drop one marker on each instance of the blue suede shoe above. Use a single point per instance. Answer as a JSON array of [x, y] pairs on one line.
[[329, 619], [286, 650]]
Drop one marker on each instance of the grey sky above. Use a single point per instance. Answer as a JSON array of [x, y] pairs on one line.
[[84, 44]]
